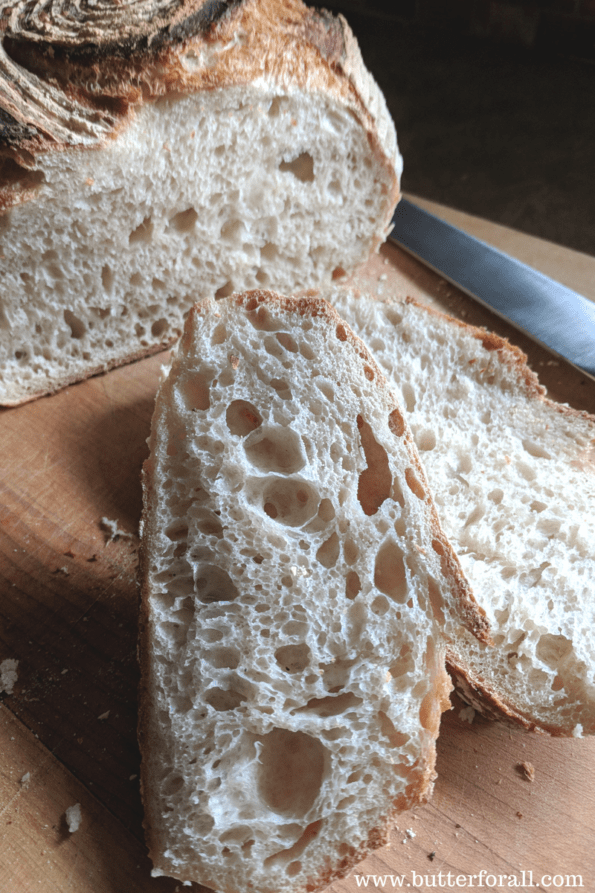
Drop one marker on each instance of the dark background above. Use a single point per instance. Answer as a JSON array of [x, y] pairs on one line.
[[494, 105]]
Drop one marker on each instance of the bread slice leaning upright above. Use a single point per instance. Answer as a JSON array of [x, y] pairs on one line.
[[294, 582], [169, 153]]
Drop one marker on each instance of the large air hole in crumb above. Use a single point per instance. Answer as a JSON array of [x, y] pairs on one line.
[[408, 396], [404, 664], [76, 325], [223, 699], [224, 291], [107, 278], [289, 502], [174, 633], [328, 552], [269, 251], [350, 550], [287, 341], [242, 418], [396, 738], [213, 584], [310, 833], [380, 606], [261, 317], [301, 167], [526, 471], [352, 585], [333, 705], [172, 785], [209, 525], [232, 231], [536, 450], [292, 767], [183, 221], [143, 233], [277, 450], [474, 516], [425, 439], [326, 511], [159, 327], [223, 658], [375, 481], [278, 103], [293, 658], [195, 390], [553, 649], [389, 572], [50, 259]]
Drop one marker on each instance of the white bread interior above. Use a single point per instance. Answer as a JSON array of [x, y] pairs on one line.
[[294, 585], [245, 161], [513, 477]]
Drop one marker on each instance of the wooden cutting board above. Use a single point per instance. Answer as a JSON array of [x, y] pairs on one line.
[[70, 504]]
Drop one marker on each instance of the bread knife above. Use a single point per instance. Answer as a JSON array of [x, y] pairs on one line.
[[547, 311]]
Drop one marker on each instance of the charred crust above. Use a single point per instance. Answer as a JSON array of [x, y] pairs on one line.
[[43, 55], [326, 33], [119, 34]]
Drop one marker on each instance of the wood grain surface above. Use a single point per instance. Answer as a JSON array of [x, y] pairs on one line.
[[70, 504]]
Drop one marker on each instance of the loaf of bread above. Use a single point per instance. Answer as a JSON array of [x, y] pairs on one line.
[[513, 477], [295, 582], [155, 153]]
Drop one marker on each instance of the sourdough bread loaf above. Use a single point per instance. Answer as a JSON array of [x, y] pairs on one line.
[[155, 153], [295, 581], [513, 477]]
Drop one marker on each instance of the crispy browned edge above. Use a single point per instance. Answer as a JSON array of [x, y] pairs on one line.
[[473, 688], [283, 40], [329, 62], [415, 793]]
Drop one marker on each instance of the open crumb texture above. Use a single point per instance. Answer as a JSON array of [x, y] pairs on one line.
[[295, 581]]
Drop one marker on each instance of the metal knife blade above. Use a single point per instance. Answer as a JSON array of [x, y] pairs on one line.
[[546, 310]]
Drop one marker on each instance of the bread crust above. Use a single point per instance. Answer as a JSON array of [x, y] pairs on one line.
[[87, 90]]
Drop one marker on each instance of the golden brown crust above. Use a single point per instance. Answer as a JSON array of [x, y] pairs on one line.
[[480, 695], [62, 100], [508, 354]]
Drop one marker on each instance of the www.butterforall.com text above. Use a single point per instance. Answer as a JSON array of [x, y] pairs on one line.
[[484, 879]]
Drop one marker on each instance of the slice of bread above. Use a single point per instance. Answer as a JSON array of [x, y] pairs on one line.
[[294, 585], [513, 477], [145, 165]]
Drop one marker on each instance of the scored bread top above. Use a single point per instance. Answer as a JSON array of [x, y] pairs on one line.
[[294, 584], [75, 82]]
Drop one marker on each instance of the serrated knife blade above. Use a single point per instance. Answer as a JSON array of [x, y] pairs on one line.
[[544, 309]]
